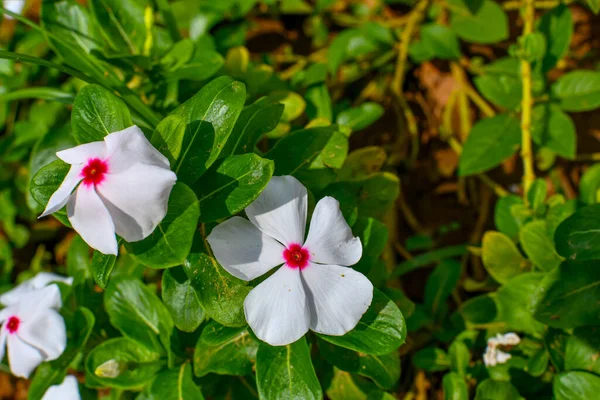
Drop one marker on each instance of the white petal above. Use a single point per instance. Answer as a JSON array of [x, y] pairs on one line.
[[67, 390], [44, 278], [46, 332], [137, 199], [280, 210], [62, 194], [128, 147], [23, 358], [330, 239], [90, 218], [3, 335], [277, 310], [337, 297], [80, 154], [243, 250], [27, 299]]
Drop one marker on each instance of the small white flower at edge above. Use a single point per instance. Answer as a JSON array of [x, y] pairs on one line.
[[123, 186], [42, 279], [313, 289], [493, 355], [32, 330], [67, 390], [15, 6]]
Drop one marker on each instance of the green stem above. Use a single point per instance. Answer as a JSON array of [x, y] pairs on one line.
[[526, 104]]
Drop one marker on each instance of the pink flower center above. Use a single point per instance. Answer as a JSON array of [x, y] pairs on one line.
[[296, 256], [13, 324], [93, 172]]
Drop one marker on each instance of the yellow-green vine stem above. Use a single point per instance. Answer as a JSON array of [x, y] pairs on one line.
[[526, 104]]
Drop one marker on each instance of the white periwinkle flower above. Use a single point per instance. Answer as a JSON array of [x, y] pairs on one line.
[[15, 6], [32, 330], [124, 189], [493, 354], [67, 390], [42, 279], [314, 288]]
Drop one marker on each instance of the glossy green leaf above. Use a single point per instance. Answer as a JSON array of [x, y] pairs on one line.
[[459, 356], [203, 65], [175, 384], [577, 91], [286, 372], [557, 27], [455, 387], [102, 266], [181, 300], [381, 329], [491, 141], [138, 313], [138, 365], [220, 293], [440, 41], [590, 184], [479, 310], [501, 257], [503, 216], [577, 237], [318, 102], [576, 385], [554, 129], [361, 117], [496, 390], [538, 245], [373, 237], [171, 241], [346, 386], [122, 23], [230, 186], [47, 180], [384, 370], [225, 351], [582, 350], [488, 25], [514, 301], [431, 359], [568, 296], [96, 113]]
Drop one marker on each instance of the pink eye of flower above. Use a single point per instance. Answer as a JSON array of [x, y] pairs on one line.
[[13, 324], [296, 256], [93, 172]]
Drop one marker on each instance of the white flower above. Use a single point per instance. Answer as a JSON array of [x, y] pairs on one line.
[[313, 289], [39, 281], [67, 390], [493, 355], [15, 6], [32, 330], [125, 187]]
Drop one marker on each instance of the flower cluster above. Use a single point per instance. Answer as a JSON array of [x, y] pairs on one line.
[[493, 355]]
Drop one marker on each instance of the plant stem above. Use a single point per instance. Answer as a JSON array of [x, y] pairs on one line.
[[526, 148]]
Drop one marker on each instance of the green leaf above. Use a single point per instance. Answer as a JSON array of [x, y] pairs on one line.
[[138, 364], [491, 141], [311, 155], [488, 25], [138, 313], [557, 27], [318, 102], [181, 300], [346, 386], [210, 116], [568, 296], [202, 66], [440, 285], [479, 310], [384, 370], [102, 266], [496, 390], [220, 293], [96, 113], [171, 241], [555, 340], [441, 41], [554, 129], [361, 117], [47, 180], [582, 350], [514, 301], [460, 357], [373, 237], [576, 385], [594, 5], [500, 82], [590, 184], [175, 384], [381, 329], [538, 245], [255, 120], [225, 351], [122, 23], [377, 194], [168, 136], [285, 372], [500, 256], [53, 372], [455, 387], [503, 217], [78, 263], [230, 186], [577, 237], [577, 91], [431, 359]]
